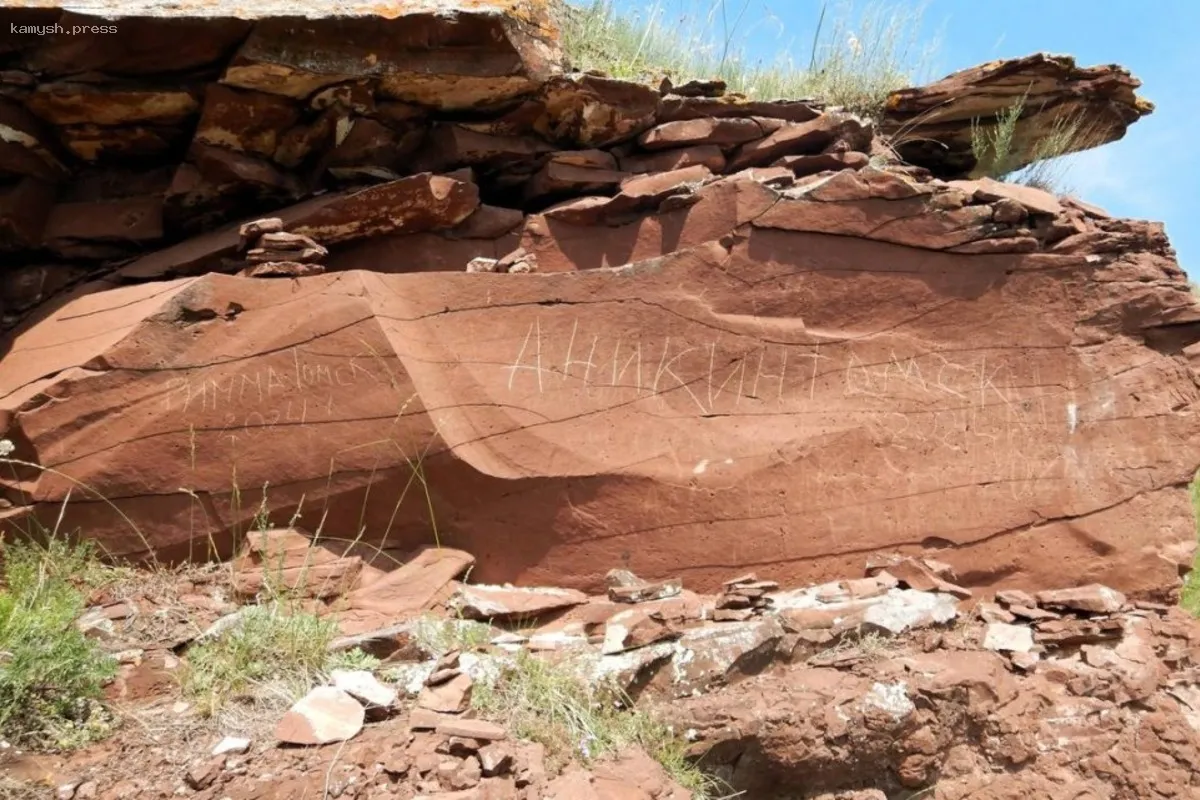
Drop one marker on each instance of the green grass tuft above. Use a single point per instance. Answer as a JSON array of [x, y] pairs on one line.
[[1189, 597], [270, 647], [437, 636], [51, 674], [996, 153], [552, 704]]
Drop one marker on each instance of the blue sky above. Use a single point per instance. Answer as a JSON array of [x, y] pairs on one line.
[[1150, 174]]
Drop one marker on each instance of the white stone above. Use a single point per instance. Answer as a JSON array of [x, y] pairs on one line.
[[231, 744], [324, 715], [892, 698], [902, 609], [1009, 638], [364, 687]]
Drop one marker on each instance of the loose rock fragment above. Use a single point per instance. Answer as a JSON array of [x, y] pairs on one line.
[[231, 744], [364, 687], [250, 232], [507, 602], [1009, 638], [451, 697], [202, 774], [326, 714], [1093, 598], [472, 729], [281, 269], [625, 587]]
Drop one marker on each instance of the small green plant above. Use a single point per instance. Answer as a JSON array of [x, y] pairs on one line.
[[998, 156], [436, 635], [549, 702], [51, 674], [353, 659], [1189, 597], [270, 645]]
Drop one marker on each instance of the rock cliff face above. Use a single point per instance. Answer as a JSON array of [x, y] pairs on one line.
[[750, 336]]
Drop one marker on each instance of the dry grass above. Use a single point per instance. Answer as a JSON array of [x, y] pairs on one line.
[[852, 57], [13, 789], [867, 646]]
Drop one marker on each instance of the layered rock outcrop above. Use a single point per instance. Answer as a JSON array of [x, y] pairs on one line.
[[753, 337]]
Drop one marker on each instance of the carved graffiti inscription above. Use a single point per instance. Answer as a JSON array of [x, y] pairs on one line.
[[289, 388], [993, 418]]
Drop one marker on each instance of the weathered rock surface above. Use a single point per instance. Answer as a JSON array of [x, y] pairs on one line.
[[933, 123], [936, 715], [324, 715], [569, 331], [722, 309], [822, 339]]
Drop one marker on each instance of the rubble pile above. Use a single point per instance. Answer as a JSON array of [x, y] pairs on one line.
[[742, 598], [860, 688]]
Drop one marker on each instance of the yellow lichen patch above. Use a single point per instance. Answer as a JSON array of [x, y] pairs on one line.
[[74, 104]]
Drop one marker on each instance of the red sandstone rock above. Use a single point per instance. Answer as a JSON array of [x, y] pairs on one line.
[[286, 559], [510, 602], [322, 716], [1032, 199], [635, 628], [680, 108], [380, 346], [404, 592], [709, 156], [408, 205], [1093, 598], [803, 138], [281, 269], [625, 587], [938, 119], [451, 697], [249, 232], [917, 575], [594, 111], [715, 131], [472, 729], [810, 165]]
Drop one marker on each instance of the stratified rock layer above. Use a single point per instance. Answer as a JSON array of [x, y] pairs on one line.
[[934, 125], [779, 379], [567, 322]]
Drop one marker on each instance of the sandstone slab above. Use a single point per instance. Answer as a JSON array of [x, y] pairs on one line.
[[404, 592], [473, 729], [937, 118], [324, 715], [511, 602], [408, 205], [816, 365], [450, 697], [1094, 598]]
